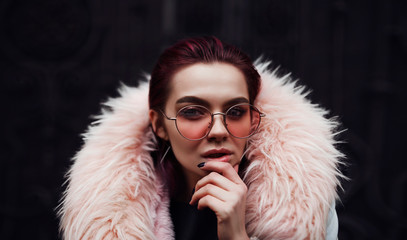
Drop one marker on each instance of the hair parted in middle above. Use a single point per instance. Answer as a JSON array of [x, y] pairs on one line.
[[186, 52]]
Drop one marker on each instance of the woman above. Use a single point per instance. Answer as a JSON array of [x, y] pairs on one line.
[[221, 152]]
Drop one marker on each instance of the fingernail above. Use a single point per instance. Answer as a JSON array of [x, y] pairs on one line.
[[201, 164]]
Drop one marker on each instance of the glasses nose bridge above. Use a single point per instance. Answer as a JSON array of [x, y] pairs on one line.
[[223, 120], [224, 125], [219, 113]]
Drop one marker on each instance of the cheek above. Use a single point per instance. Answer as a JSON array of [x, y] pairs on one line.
[[186, 154], [240, 146], [182, 148]]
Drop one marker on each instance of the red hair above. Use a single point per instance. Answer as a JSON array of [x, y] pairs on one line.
[[198, 50]]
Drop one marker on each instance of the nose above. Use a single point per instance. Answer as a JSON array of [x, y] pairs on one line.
[[218, 131]]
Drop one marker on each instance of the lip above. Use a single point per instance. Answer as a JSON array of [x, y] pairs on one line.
[[225, 158]]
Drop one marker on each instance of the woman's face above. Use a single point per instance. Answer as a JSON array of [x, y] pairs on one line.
[[216, 86]]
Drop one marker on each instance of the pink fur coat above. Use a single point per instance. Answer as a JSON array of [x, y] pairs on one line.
[[113, 191]]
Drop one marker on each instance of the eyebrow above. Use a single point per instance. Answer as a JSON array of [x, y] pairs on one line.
[[200, 101]]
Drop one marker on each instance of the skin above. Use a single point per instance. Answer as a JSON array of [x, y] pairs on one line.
[[217, 185]]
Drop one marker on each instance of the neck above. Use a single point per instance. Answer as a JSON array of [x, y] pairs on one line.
[[186, 186]]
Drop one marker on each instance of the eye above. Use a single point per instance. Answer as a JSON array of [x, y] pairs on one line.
[[237, 112], [193, 113]]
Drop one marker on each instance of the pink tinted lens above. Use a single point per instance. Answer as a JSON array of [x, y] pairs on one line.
[[242, 120], [193, 122]]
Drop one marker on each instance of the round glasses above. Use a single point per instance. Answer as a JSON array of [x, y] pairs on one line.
[[194, 122]]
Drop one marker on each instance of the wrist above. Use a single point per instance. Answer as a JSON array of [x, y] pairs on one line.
[[238, 235]]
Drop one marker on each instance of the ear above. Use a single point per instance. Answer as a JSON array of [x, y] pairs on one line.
[[157, 124]]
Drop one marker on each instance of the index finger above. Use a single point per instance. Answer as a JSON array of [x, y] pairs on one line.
[[223, 168]]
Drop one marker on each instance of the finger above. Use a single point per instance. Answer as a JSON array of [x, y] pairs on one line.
[[209, 189], [211, 202], [215, 179], [223, 168]]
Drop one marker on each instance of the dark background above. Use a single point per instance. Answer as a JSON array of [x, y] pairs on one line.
[[60, 58]]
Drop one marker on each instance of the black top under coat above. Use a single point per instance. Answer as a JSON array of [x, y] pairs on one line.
[[191, 223]]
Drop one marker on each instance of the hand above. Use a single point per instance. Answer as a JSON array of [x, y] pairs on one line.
[[224, 192]]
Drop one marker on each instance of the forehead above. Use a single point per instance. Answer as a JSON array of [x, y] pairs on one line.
[[214, 82]]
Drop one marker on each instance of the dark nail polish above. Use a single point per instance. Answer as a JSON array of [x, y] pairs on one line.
[[201, 164]]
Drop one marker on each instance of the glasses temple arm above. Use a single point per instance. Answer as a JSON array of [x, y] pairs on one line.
[[165, 115]]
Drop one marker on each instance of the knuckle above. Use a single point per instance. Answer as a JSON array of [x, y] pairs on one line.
[[201, 183], [198, 186], [228, 209], [206, 189], [201, 190], [204, 201], [242, 191], [213, 175], [244, 188]]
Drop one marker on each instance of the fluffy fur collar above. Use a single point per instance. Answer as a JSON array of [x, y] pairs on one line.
[[114, 193]]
